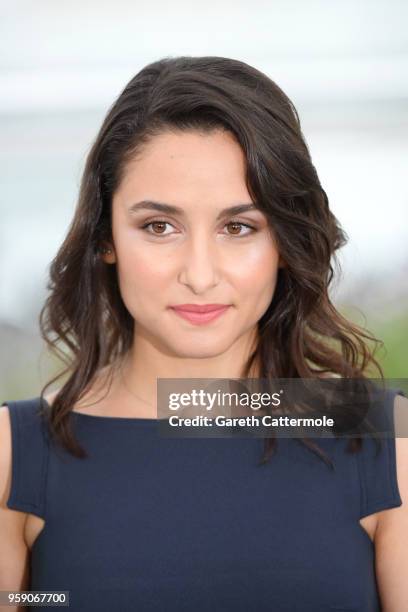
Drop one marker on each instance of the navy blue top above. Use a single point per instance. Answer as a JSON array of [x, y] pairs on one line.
[[150, 523]]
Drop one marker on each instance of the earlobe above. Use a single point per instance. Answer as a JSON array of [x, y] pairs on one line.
[[107, 254]]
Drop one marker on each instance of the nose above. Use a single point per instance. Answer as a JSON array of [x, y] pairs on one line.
[[199, 265]]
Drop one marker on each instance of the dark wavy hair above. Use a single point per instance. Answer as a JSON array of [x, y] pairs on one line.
[[302, 334]]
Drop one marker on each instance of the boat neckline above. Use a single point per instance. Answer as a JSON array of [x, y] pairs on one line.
[[112, 418]]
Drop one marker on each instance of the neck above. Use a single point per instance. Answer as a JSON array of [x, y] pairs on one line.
[[145, 363]]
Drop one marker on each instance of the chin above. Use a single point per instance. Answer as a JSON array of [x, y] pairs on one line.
[[203, 349]]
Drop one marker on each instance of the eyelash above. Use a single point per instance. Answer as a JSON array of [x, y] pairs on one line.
[[146, 225]]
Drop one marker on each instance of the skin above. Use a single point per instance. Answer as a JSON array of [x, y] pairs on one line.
[[200, 260]]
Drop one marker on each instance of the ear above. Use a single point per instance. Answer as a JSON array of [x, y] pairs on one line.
[[107, 253], [282, 263]]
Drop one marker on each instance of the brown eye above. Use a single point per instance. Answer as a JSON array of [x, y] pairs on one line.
[[236, 227], [159, 224]]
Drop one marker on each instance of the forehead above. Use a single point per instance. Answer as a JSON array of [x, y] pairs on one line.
[[185, 168]]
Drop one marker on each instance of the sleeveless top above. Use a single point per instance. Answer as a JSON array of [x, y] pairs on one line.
[[153, 523]]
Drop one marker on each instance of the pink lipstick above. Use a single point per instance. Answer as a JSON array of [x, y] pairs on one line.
[[200, 314]]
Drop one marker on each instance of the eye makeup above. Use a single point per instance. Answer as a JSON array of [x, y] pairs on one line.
[[233, 222]]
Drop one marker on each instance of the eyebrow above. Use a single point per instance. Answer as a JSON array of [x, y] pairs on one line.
[[174, 210]]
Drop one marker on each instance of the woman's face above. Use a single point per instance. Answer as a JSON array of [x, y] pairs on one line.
[[198, 253]]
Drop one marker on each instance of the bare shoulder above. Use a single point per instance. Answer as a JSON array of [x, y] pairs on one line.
[[401, 447], [13, 550], [401, 416], [397, 518], [5, 456], [392, 530], [5, 446], [6, 514]]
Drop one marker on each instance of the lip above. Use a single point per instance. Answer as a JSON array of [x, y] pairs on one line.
[[199, 315], [199, 307]]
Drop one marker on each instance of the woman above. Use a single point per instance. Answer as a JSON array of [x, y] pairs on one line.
[[198, 191]]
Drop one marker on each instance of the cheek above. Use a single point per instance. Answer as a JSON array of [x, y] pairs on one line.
[[139, 272], [256, 274]]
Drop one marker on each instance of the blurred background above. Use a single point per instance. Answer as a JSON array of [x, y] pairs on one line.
[[343, 64]]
